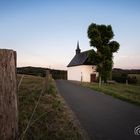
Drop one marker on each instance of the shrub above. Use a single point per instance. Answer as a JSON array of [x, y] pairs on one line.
[[119, 77], [132, 79]]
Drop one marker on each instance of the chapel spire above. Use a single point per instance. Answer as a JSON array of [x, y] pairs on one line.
[[78, 50]]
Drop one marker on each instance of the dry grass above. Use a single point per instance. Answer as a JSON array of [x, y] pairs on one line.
[[51, 120]]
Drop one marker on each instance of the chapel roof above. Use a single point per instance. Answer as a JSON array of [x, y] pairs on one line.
[[80, 59]]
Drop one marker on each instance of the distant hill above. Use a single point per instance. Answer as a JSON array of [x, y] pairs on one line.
[[39, 71], [128, 71]]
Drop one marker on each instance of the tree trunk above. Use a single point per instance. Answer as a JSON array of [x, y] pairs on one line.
[[8, 95]]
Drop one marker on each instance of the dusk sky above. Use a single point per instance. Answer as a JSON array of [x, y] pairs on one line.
[[45, 32]]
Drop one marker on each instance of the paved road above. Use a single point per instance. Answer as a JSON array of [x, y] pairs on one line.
[[102, 116]]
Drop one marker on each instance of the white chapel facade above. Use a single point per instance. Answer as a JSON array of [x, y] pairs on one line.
[[80, 69]]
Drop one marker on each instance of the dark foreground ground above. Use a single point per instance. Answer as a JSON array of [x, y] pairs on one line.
[[102, 116]]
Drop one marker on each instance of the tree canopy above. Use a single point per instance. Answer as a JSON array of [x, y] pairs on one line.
[[101, 38]]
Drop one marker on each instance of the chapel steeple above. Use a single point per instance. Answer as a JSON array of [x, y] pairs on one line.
[[78, 50]]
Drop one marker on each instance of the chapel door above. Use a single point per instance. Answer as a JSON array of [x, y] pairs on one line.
[[93, 78]]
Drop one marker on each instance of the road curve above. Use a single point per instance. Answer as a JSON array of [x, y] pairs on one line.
[[103, 117]]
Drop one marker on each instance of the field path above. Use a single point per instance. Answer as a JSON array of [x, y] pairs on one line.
[[103, 117]]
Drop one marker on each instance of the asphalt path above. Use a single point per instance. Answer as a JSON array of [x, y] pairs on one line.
[[103, 117]]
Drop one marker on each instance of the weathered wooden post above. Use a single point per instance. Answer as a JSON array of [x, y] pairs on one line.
[[47, 78], [8, 95]]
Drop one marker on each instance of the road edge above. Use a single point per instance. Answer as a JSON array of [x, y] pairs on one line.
[[73, 117]]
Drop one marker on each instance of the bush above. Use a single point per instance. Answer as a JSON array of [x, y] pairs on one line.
[[120, 77], [132, 79]]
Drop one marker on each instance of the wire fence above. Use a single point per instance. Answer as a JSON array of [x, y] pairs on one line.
[[36, 105], [20, 81]]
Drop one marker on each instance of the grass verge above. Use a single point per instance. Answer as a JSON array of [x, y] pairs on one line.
[[51, 120], [124, 92]]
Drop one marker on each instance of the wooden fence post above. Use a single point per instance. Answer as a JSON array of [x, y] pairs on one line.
[[8, 95], [47, 78]]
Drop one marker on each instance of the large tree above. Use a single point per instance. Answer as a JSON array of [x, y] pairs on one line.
[[102, 55]]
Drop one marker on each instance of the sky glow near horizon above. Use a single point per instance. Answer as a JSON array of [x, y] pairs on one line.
[[45, 32]]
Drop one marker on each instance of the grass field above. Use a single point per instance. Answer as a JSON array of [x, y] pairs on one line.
[[51, 120], [130, 93]]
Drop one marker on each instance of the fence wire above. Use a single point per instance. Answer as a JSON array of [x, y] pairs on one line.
[[24, 132], [20, 81]]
